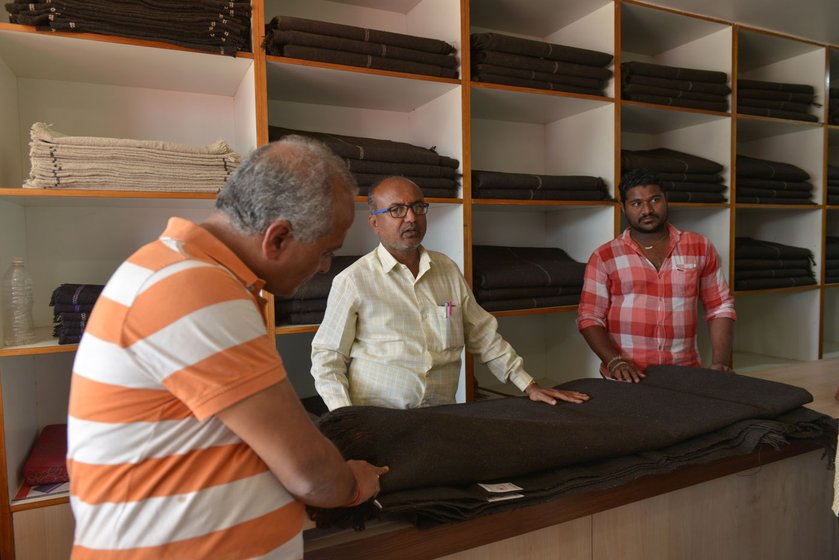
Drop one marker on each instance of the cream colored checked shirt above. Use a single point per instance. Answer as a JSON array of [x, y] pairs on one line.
[[389, 339]]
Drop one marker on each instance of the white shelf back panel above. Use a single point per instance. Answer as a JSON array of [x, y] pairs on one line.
[[533, 18], [583, 144], [511, 147], [765, 321], [11, 172], [569, 357], [591, 31], [831, 315], [527, 335]]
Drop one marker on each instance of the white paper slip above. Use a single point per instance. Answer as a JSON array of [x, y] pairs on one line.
[[504, 497], [502, 487]]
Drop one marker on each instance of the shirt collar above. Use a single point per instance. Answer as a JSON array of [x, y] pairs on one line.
[[388, 261], [675, 234], [198, 241]]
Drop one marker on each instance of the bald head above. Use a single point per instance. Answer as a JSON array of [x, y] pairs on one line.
[[378, 190], [398, 235]]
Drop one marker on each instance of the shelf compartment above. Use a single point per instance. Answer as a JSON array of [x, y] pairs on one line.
[[830, 321]]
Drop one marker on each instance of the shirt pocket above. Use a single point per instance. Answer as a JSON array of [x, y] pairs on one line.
[[684, 279], [447, 327]]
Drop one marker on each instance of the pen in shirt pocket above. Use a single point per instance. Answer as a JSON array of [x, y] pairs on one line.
[[449, 305]]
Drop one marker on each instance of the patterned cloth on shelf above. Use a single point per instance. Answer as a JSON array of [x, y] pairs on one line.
[[72, 305], [47, 462]]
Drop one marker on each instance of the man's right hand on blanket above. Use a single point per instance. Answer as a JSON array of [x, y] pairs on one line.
[[367, 480]]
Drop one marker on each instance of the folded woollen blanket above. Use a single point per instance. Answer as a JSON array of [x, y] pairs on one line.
[[750, 248], [673, 72], [319, 285], [528, 181], [768, 169], [516, 267], [74, 294], [367, 61], [510, 60], [511, 439], [47, 462], [668, 161], [538, 49]]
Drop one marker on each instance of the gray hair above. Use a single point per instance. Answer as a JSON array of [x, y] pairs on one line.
[[289, 179]]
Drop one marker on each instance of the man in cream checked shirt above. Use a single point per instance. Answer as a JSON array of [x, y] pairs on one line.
[[397, 320]]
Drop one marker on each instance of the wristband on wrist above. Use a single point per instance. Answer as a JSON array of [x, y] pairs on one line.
[[615, 362]]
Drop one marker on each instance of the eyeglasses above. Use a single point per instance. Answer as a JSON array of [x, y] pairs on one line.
[[401, 210]]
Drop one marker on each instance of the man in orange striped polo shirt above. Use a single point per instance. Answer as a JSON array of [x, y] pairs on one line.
[[186, 439]]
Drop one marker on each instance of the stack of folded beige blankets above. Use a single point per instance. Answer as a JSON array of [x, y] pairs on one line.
[[87, 162]]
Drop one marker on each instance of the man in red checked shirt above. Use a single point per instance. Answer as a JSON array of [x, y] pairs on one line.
[[639, 301]]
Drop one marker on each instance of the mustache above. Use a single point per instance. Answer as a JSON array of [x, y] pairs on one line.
[[408, 227], [650, 215]]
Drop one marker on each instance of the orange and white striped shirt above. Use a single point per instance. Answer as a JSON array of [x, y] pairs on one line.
[[177, 335]]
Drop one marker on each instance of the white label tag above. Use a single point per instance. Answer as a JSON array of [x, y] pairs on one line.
[[503, 487], [504, 497]]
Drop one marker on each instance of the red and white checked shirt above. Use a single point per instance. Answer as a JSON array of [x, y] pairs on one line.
[[650, 314]]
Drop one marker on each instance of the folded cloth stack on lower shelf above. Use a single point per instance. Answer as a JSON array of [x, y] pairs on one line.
[[507, 278], [308, 304], [832, 184], [90, 162], [323, 41], [221, 26], [831, 260], [775, 99], [526, 186], [761, 265], [47, 462], [371, 159], [762, 181], [676, 417], [513, 61], [72, 304], [833, 106], [673, 85], [684, 177]]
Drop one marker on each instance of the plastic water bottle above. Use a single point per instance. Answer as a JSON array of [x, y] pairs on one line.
[[17, 305]]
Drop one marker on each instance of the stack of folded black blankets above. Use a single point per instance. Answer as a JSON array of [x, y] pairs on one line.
[[831, 260], [684, 177], [525, 186], [221, 26], [323, 41], [833, 106], [72, 304], [775, 99], [308, 304], [761, 265], [832, 184], [761, 181], [513, 61], [673, 85], [507, 278], [371, 159]]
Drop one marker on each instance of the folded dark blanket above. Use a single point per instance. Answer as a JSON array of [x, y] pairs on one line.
[[691, 177], [297, 306], [668, 161], [743, 263], [751, 248], [670, 407], [641, 89], [828, 279], [307, 318], [831, 264], [535, 84], [427, 184], [832, 172], [745, 199], [720, 106], [367, 61], [499, 294], [538, 49], [776, 113], [69, 338], [832, 190], [70, 308], [547, 194], [517, 267], [76, 294], [773, 104], [275, 40], [773, 193], [780, 273], [746, 84], [673, 72], [681, 85], [510, 60], [501, 180], [751, 182], [356, 147], [702, 197], [831, 247], [560, 78], [530, 303], [770, 283], [768, 169], [318, 286], [392, 168], [790, 97], [832, 200], [687, 186], [286, 23]]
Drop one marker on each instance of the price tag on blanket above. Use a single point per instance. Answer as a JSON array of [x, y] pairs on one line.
[[499, 488]]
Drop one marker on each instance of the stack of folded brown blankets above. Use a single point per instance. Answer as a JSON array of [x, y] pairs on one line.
[[673, 85], [684, 177], [221, 26], [832, 184], [72, 304], [503, 59], [525, 186], [831, 260], [775, 99], [525, 277], [761, 181], [761, 265], [323, 41], [88, 162], [371, 159], [308, 304], [833, 106]]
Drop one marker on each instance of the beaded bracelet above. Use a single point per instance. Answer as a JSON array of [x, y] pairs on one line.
[[614, 362]]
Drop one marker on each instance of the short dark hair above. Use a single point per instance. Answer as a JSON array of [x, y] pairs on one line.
[[636, 178]]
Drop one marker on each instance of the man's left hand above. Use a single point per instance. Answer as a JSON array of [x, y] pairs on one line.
[[550, 396], [725, 368]]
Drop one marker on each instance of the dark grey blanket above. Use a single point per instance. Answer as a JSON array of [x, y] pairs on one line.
[[499, 294], [366, 166], [528, 181], [831, 247], [751, 248], [669, 161], [318, 286], [673, 72], [768, 169], [630, 89], [746, 199], [802, 196], [595, 84], [547, 194], [687, 186], [832, 172], [535, 84], [682, 85], [751, 182], [367, 61], [773, 104], [746, 84], [780, 273], [511, 60], [742, 263], [530, 303], [720, 106], [699, 197], [759, 94], [76, 294], [519, 267], [776, 113], [538, 49], [770, 283], [691, 177], [625, 430]]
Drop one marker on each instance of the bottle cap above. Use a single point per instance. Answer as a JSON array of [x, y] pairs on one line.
[[17, 260]]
